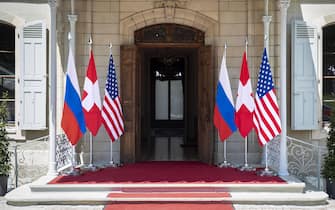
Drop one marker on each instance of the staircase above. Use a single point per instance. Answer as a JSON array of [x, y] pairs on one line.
[[289, 193]]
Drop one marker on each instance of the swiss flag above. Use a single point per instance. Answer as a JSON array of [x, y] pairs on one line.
[[91, 101], [244, 102]]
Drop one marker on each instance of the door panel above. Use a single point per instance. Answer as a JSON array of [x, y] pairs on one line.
[[205, 104], [129, 96]]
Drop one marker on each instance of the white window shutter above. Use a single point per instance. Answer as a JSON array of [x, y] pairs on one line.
[[304, 73], [33, 82]]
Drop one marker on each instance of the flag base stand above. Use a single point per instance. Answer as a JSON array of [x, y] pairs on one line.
[[225, 164], [73, 172], [91, 167], [112, 164], [266, 172], [246, 167]]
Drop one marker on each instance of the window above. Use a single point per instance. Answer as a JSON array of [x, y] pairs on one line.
[[7, 67], [169, 97], [328, 72]]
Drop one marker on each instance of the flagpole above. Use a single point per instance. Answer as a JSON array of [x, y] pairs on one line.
[[246, 151], [91, 166], [225, 163], [73, 171], [111, 163], [246, 167], [266, 171]]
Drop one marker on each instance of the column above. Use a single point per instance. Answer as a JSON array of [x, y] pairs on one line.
[[52, 90], [73, 19], [284, 4], [266, 22]]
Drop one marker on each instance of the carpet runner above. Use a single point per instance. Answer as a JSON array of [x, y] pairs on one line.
[[171, 205], [166, 172]]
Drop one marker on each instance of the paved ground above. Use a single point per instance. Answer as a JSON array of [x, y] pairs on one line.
[[4, 206]]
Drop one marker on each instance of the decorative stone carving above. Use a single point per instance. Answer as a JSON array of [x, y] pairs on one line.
[[273, 153], [170, 6], [64, 154]]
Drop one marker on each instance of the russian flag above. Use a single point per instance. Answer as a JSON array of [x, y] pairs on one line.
[[224, 111], [73, 122]]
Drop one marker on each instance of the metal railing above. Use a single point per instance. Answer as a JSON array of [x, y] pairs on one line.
[[305, 161]]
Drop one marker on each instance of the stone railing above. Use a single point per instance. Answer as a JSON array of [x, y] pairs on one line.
[[64, 153], [30, 159], [305, 161]]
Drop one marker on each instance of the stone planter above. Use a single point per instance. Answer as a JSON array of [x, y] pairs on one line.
[[3, 184]]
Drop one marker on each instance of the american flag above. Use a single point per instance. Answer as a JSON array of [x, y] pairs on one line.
[[112, 116], [266, 116]]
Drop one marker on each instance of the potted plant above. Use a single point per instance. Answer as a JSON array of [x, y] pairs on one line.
[[5, 162], [328, 170]]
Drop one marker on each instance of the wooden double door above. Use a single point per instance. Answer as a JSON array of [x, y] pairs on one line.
[[167, 94]]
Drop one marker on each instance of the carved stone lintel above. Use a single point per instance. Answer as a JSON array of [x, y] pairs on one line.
[[170, 6]]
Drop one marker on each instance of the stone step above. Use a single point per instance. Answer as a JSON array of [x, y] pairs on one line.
[[166, 187], [24, 196], [291, 185], [41, 193]]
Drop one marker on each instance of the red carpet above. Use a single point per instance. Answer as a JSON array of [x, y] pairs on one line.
[[170, 206], [166, 172], [170, 195]]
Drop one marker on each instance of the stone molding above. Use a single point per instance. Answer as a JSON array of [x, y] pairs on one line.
[[157, 16]]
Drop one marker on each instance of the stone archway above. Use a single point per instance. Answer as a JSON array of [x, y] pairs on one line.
[[160, 15]]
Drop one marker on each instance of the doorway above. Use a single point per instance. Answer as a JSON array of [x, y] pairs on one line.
[[169, 93]]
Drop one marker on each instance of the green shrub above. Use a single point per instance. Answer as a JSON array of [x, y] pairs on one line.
[[328, 170], [5, 163]]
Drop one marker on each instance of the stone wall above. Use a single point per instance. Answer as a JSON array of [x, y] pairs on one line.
[[223, 21]]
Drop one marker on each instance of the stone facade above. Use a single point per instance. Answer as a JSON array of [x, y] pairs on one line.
[[230, 22], [114, 21]]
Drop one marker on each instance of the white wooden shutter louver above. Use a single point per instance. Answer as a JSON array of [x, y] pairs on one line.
[[33, 77], [303, 76]]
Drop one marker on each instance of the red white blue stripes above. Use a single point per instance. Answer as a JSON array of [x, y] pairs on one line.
[[266, 116], [72, 122], [224, 111]]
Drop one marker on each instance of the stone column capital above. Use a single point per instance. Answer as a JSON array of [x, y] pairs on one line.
[[72, 18], [267, 19], [52, 3], [284, 4]]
